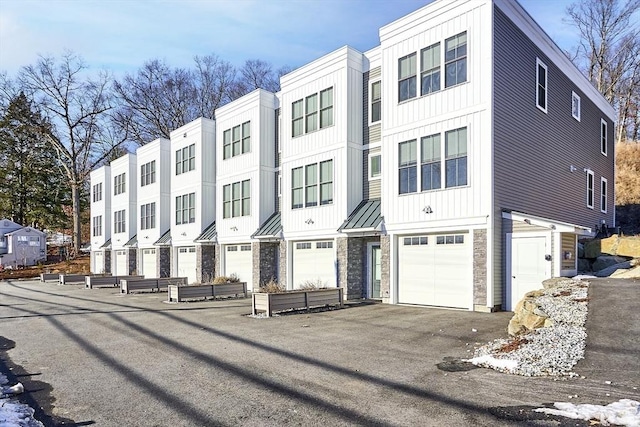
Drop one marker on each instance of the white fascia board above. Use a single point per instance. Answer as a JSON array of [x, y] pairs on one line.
[[557, 226], [250, 100], [302, 75], [201, 124], [530, 27], [467, 223]]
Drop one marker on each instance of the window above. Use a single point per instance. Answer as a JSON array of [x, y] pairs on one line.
[[575, 106], [148, 216], [590, 189], [456, 158], [375, 166], [541, 85], [97, 225], [455, 60], [326, 108], [408, 167], [430, 166], [226, 144], [407, 77], [603, 195], [415, 241], [376, 101], [311, 118], [603, 136], [324, 245], [312, 184], [430, 68], [246, 137], [97, 192], [236, 199], [297, 116], [303, 245], [186, 159], [451, 239], [186, 209], [119, 184], [119, 221], [148, 173]]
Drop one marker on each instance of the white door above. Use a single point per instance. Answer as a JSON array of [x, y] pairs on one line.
[[148, 264], [187, 263], [238, 260], [529, 268], [314, 263], [98, 262], [121, 264], [375, 271], [435, 270]]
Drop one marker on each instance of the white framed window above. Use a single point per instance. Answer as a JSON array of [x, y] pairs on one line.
[[119, 184], [450, 239], [456, 157], [407, 164], [303, 245], [430, 163], [148, 173], [455, 60], [590, 189], [236, 199], [375, 166], [326, 108], [415, 241], [575, 106], [97, 225], [603, 195], [430, 69], [186, 209], [541, 85], [236, 141], [297, 118], [97, 192], [407, 77], [311, 112], [312, 185], [148, 216], [375, 97], [186, 159], [119, 221], [603, 136], [324, 245]]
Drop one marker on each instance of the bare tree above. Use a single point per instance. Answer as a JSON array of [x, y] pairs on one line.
[[258, 74], [609, 52], [77, 108], [213, 79]]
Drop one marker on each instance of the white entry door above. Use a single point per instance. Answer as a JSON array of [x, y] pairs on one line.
[[148, 263], [187, 263], [529, 268]]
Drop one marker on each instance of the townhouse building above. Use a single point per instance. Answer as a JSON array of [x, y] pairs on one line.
[[101, 220], [124, 259], [455, 165]]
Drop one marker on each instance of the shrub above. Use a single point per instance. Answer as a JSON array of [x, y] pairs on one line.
[[225, 279], [309, 285], [272, 287]]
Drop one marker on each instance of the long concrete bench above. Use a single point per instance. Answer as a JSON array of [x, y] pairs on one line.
[[91, 282], [160, 284], [49, 276]]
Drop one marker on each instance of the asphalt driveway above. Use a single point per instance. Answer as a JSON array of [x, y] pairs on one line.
[[95, 357]]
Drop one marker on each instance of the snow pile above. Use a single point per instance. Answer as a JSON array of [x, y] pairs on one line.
[[12, 412], [624, 412], [553, 350]]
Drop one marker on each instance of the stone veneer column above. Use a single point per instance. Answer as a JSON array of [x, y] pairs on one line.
[[480, 270], [205, 263], [132, 259], [265, 262], [282, 276], [351, 266], [163, 261], [385, 260], [217, 267], [106, 268]]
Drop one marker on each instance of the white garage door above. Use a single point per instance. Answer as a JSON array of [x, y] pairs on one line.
[[314, 262], [187, 263], [529, 268], [120, 264], [435, 270], [148, 263], [98, 262], [238, 260]]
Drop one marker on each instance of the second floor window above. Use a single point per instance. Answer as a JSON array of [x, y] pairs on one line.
[[236, 141], [97, 225], [148, 173], [456, 157], [430, 68], [119, 184], [312, 185], [186, 209], [148, 216], [541, 85], [186, 159], [236, 199], [603, 136], [376, 101], [97, 192], [408, 173], [119, 221]]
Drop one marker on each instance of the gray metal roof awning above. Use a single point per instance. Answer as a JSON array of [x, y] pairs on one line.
[[164, 240], [133, 242], [270, 229], [106, 245], [364, 218], [209, 235]]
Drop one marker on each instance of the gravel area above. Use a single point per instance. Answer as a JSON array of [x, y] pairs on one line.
[[549, 351]]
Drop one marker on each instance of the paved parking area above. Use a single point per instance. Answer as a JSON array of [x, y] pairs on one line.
[[98, 357]]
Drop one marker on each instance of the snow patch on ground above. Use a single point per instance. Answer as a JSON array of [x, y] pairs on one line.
[[12, 412], [624, 412], [490, 361]]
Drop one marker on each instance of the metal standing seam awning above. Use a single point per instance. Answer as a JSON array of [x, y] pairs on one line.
[[164, 240], [209, 235], [106, 245], [366, 218], [271, 229], [132, 242]]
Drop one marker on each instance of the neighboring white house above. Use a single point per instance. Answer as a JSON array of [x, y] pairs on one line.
[[124, 214], [101, 220], [21, 246]]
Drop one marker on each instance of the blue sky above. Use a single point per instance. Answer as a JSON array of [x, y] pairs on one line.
[[120, 35]]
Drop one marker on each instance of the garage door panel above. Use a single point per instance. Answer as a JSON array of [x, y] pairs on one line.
[[239, 261], [98, 262], [121, 264], [314, 262], [186, 262], [149, 265]]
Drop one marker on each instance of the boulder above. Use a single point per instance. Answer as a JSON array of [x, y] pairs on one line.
[[629, 246], [605, 261], [609, 245], [527, 315], [633, 273], [608, 271], [583, 265], [592, 249], [580, 250]]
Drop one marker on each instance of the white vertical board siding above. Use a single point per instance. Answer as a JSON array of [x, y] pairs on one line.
[[101, 207], [124, 201], [266, 198], [245, 225], [406, 211]]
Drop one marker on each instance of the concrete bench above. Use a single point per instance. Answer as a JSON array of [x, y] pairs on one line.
[[95, 281], [49, 276], [181, 293], [160, 284]]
